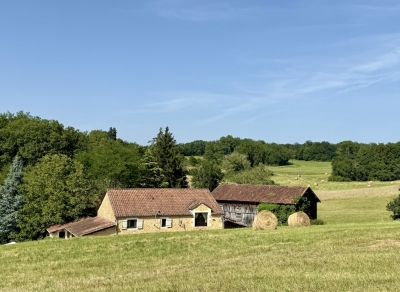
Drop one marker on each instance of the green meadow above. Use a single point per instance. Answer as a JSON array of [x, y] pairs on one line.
[[303, 173], [358, 249]]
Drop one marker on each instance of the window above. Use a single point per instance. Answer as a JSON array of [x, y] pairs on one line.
[[166, 223], [132, 223], [61, 234], [200, 219]]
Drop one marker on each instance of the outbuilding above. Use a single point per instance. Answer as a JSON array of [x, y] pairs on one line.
[[85, 226], [239, 201]]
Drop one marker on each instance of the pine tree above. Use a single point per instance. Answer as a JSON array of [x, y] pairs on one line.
[[112, 133], [10, 200], [166, 154], [152, 174]]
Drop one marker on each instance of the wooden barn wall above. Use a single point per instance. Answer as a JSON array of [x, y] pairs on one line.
[[313, 208], [242, 213]]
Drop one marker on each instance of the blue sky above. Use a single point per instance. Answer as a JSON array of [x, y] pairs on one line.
[[278, 71]]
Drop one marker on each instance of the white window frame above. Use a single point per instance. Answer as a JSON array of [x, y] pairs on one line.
[[168, 222], [139, 224], [208, 218]]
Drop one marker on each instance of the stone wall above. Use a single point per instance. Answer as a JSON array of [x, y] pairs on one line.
[[179, 223], [105, 209]]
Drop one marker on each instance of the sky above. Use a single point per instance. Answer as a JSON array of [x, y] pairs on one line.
[[278, 71]]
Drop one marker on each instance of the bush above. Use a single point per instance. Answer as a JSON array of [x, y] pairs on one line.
[[282, 212], [338, 178], [394, 206], [317, 222], [235, 162]]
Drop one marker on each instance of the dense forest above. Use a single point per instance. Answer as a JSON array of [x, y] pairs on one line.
[[51, 174]]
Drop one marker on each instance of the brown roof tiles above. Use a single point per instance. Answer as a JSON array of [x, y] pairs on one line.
[[162, 201], [84, 226], [260, 193]]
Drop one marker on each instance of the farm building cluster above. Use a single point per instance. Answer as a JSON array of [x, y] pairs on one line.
[[145, 210]]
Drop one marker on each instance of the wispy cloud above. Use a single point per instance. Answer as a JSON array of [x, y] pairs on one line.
[[354, 72], [386, 8], [236, 107], [169, 102], [387, 60], [303, 78]]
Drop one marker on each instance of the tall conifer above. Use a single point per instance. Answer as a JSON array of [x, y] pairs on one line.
[[10, 200], [166, 154]]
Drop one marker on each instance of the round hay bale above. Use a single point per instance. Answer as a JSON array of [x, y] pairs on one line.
[[299, 219], [265, 220]]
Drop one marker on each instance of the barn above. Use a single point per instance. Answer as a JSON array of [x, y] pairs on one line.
[[239, 202]]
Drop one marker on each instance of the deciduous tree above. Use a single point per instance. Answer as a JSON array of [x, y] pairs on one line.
[[235, 162], [109, 163], [394, 207], [55, 191], [207, 175]]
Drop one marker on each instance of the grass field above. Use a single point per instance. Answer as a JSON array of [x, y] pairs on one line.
[[312, 172], [357, 250]]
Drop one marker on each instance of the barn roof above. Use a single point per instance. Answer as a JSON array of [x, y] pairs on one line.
[[161, 201], [84, 226], [260, 193]]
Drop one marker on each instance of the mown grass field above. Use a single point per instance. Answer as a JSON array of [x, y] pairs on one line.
[[312, 172], [357, 250]]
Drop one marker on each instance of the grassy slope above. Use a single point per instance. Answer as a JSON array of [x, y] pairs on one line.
[[312, 172], [357, 250]]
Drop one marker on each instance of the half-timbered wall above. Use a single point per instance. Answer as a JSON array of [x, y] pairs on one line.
[[241, 213]]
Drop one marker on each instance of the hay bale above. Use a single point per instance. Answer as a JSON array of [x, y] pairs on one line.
[[265, 220], [299, 219]]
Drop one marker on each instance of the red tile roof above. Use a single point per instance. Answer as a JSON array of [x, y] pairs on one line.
[[259, 193], [84, 226], [163, 201]]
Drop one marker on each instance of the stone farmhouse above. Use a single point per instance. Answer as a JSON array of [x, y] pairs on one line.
[[239, 202], [144, 210]]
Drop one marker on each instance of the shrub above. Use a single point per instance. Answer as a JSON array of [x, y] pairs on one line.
[[317, 222], [394, 206], [235, 162], [282, 212]]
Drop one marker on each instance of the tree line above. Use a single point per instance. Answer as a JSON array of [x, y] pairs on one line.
[[260, 151], [54, 174], [365, 162], [351, 161]]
